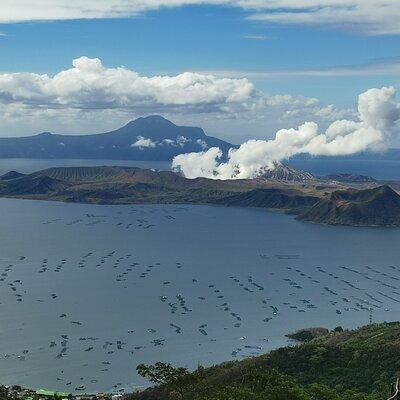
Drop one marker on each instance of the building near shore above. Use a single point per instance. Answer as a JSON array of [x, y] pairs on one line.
[[43, 393]]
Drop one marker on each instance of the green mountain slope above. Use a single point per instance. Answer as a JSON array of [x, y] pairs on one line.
[[359, 364], [271, 198], [127, 185], [379, 206]]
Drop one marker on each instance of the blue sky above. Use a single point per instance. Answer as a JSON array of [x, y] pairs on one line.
[[203, 38], [216, 39]]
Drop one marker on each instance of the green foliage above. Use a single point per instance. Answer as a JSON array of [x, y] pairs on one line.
[[165, 374], [4, 393], [161, 373], [306, 335], [366, 360], [343, 365], [323, 392], [248, 383]]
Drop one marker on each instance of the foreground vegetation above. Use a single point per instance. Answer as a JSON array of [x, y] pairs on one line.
[[360, 365]]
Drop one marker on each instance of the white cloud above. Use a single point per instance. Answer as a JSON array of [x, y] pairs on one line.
[[169, 142], [144, 143], [388, 67], [89, 85], [48, 10], [371, 17], [377, 116], [182, 140], [367, 16], [90, 96], [202, 143]]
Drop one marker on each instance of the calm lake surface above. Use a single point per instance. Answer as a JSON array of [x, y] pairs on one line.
[[88, 292]]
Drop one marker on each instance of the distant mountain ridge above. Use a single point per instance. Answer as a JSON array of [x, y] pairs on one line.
[[152, 138], [350, 178]]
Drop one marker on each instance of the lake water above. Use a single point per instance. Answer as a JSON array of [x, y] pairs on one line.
[[88, 292]]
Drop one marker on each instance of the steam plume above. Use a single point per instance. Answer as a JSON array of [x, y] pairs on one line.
[[378, 113]]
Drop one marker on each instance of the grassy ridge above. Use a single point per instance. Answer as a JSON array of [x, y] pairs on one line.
[[127, 185], [367, 359], [379, 206], [360, 364]]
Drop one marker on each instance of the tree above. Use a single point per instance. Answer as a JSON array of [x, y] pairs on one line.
[[165, 374], [4, 393]]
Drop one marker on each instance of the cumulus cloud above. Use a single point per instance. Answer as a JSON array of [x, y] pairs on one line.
[[202, 143], [90, 85], [90, 97], [180, 141], [144, 143], [169, 142], [378, 113], [373, 17]]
